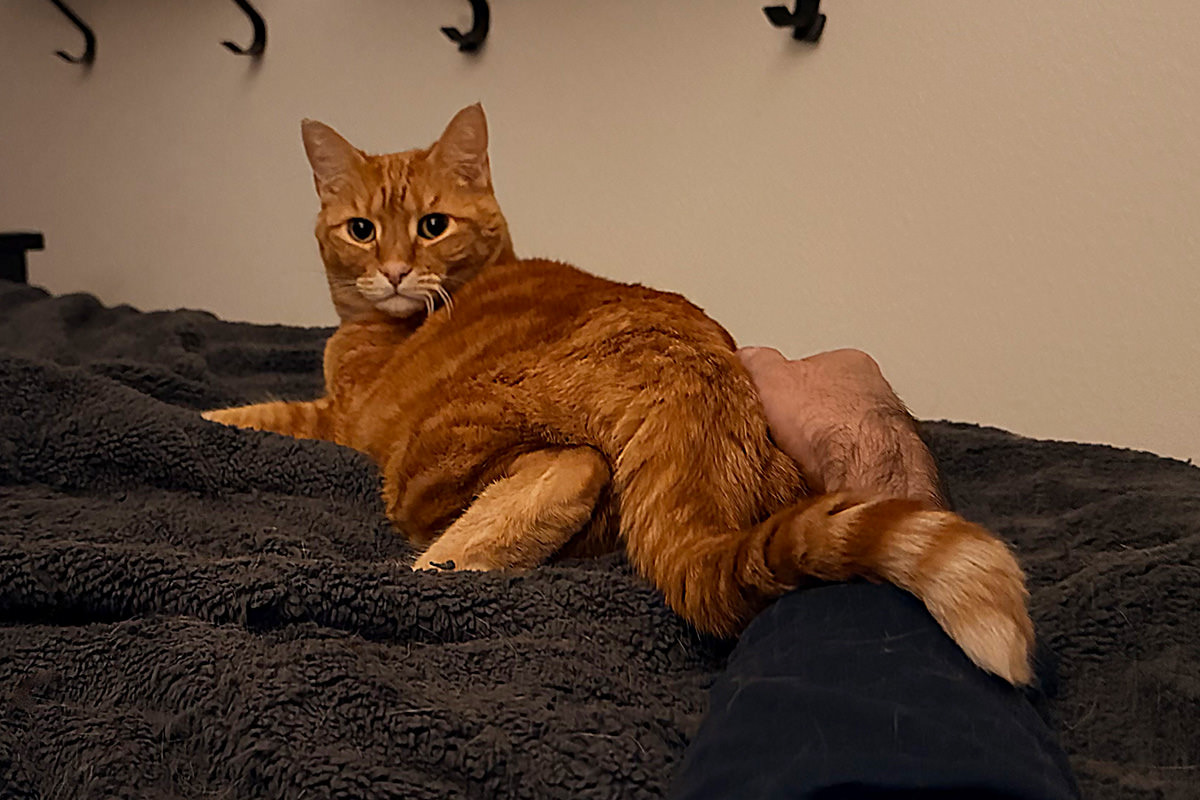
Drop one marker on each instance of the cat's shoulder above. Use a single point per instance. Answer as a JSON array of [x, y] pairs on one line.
[[550, 268], [546, 280], [543, 274]]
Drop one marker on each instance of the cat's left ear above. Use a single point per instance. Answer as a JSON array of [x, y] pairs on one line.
[[462, 148]]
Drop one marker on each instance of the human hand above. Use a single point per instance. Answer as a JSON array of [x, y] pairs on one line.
[[837, 416]]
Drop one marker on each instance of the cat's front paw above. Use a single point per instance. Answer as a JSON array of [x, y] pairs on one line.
[[239, 417]]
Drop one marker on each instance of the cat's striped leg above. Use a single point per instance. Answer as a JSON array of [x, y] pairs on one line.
[[519, 521], [304, 420]]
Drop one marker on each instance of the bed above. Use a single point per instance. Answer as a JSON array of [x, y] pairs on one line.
[[189, 610]]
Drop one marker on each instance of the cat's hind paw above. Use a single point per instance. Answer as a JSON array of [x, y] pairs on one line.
[[423, 565]]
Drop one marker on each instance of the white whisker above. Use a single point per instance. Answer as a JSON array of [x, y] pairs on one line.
[[446, 301]]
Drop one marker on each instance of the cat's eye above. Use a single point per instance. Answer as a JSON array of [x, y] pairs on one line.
[[361, 230], [432, 226]]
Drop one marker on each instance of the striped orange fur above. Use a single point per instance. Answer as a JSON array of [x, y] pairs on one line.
[[521, 410]]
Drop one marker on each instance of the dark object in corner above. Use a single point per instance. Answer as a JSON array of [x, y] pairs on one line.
[[473, 39], [12, 254], [259, 44], [89, 38], [807, 20]]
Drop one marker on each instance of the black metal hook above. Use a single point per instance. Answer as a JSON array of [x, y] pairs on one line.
[[89, 38], [472, 40], [259, 44], [806, 20]]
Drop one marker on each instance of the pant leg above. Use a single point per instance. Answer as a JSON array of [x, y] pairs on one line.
[[853, 690]]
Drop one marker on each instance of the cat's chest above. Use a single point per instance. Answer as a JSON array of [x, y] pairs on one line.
[[387, 389]]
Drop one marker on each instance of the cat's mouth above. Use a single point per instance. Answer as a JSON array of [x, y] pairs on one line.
[[399, 305], [416, 292]]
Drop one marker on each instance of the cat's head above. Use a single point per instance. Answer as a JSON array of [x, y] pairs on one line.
[[399, 232]]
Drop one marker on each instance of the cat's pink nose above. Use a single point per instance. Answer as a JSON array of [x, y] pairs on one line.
[[395, 271]]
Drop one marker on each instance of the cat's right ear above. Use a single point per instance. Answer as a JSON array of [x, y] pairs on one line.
[[333, 159]]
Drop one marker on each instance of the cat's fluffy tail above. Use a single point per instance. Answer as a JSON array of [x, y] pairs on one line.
[[965, 576]]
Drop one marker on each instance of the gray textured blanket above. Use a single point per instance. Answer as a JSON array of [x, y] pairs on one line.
[[188, 611]]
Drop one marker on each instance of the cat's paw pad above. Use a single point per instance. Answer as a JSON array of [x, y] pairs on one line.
[[426, 565]]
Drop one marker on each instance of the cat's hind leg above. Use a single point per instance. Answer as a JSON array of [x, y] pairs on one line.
[[304, 420], [519, 521]]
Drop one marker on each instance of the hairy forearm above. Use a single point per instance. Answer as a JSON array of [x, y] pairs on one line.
[[882, 455], [837, 416]]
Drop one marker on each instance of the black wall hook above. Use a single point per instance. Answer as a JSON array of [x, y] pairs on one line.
[[259, 44], [472, 40], [89, 38], [806, 20]]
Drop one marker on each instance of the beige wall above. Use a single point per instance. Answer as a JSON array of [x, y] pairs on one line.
[[1000, 201]]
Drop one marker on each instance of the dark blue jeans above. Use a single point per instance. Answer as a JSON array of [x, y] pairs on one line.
[[853, 690]]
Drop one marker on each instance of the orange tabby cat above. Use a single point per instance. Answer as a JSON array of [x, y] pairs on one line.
[[521, 410]]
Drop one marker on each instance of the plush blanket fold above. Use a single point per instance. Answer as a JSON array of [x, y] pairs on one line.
[[188, 610]]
